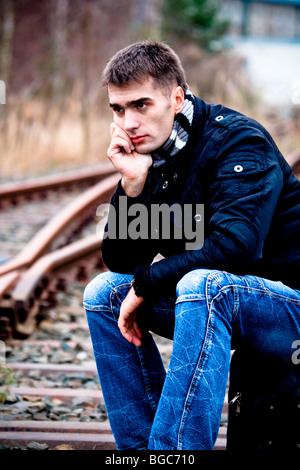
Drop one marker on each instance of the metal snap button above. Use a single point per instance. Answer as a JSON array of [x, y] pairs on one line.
[[238, 168], [219, 118], [165, 184], [198, 217]]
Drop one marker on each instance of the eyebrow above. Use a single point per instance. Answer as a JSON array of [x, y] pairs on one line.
[[130, 104]]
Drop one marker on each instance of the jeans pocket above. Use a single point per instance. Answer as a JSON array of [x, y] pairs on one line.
[[117, 296]]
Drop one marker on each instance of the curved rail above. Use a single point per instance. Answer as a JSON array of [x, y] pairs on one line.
[[22, 297], [24, 278], [44, 237]]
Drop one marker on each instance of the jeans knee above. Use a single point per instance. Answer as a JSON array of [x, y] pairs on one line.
[[193, 283], [94, 292], [202, 283], [98, 293]]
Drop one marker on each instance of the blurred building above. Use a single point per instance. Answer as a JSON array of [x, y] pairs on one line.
[[267, 34], [263, 18]]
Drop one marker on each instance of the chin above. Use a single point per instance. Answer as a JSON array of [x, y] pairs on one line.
[[145, 149]]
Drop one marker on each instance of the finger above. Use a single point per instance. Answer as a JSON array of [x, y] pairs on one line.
[[131, 336], [112, 128], [119, 145], [130, 331], [133, 339], [123, 143], [118, 132], [137, 331]]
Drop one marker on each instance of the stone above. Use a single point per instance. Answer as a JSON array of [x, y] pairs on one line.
[[64, 447], [37, 446]]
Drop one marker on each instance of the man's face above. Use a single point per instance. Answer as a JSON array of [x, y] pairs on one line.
[[145, 112]]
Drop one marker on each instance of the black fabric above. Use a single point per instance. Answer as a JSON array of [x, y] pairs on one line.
[[264, 404]]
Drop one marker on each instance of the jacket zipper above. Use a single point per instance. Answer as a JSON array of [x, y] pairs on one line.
[[237, 401]]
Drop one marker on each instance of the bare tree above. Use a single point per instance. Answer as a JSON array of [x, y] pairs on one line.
[[59, 30], [6, 51], [7, 34]]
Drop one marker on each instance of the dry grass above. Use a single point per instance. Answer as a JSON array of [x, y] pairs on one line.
[[37, 140], [39, 137]]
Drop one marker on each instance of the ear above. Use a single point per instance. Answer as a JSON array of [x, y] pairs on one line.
[[178, 97]]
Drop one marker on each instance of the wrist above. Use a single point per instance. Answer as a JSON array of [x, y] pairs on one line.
[[133, 187]]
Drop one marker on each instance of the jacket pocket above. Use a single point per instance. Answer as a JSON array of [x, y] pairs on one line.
[[237, 177], [236, 167]]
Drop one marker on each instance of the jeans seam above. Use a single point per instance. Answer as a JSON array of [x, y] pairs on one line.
[[195, 378], [96, 308], [189, 298], [114, 293], [204, 351], [146, 381], [230, 288], [264, 291]]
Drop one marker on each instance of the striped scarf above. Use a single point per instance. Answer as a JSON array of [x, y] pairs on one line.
[[179, 135]]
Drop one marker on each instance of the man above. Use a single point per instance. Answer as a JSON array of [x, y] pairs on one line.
[[240, 284]]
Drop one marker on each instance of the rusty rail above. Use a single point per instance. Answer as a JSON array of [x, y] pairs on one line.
[[24, 298], [69, 435], [23, 278], [54, 182], [41, 241], [76, 434]]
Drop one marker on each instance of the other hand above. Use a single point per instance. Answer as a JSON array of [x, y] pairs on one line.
[[127, 319]]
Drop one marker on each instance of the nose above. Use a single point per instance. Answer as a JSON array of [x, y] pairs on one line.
[[130, 121]]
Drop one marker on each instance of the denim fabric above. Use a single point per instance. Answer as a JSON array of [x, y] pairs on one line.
[[181, 409]]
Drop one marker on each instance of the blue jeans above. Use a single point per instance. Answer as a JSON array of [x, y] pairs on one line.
[[181, 409]]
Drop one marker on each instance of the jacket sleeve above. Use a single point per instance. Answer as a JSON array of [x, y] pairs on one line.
[[243, 196], [121, 251]]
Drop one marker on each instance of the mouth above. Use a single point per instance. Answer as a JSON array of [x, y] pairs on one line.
[[138, 139]]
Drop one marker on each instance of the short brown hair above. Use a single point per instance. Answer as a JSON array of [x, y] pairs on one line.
[[143, 59]]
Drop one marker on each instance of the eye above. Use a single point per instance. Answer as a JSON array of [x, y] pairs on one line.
[[141, 105], [117, 109]]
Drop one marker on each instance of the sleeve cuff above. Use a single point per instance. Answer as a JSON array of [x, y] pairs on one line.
[[142, 285]]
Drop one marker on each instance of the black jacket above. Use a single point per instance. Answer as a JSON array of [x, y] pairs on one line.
[[251, 207]]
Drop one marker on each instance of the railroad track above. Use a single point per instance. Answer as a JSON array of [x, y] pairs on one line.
[[56, 255], [66, 430], [92, 435], [54, 404], [32, 277], [15, 193]]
